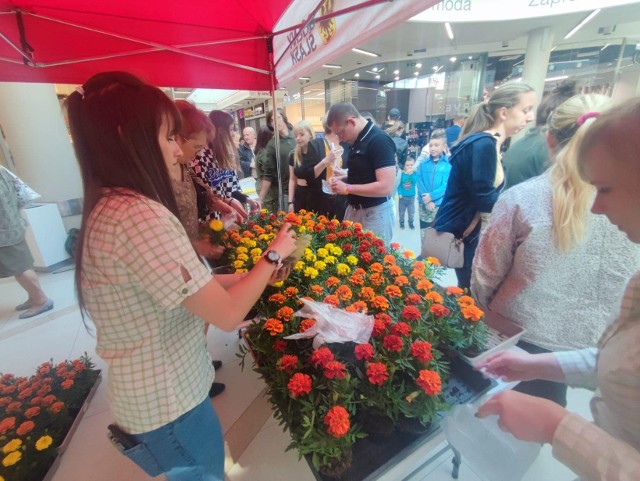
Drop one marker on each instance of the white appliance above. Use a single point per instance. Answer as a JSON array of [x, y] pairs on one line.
[[45, 236]]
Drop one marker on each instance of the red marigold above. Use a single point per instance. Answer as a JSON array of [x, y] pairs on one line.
[[413, 299], [366, 257], [367, 293], [7, 424], [299, 385], [319, 227], [393, 291], [321, 357], [454, 291], [36, 401], [332, 281], [32, 412], [56, 407], [4, 401], [288, 362], [424, 285], [285, 313], [347, 247], [369, 235], [25, 393], [439, 310], [335, 369], [377, 373], [332, 300], [379, 328], [356, 280], [291, 291], [277, 298], [411, 313], [421, 350], [274, 326], [363, 351], [378, 242], [401, 329], [48, 400], [376, 267], [472, 313], [364, 246], [386, 318], [307, 324], [337, 420], [343, 234], [395, 245], [393, 343], [381, 302], [15, 406], [344, 293], [430, 382], [331, 237], [434, 297], [67, 384], [382, 250], [279, 345], [25, 428]]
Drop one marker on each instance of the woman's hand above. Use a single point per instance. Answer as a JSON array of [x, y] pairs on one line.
[[527, 417], [207, 249], [254, 205], [291, 208], [239, 209], [285, 242], [510, 366], [339, 173]]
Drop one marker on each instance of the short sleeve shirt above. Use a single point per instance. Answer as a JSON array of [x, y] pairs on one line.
[[132, 282]]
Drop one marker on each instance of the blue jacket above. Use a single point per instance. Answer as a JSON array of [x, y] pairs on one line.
[[470, 188], [433, 177]]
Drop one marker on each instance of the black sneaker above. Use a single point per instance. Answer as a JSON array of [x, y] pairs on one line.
[[216, 388], [412, 227], [216, 364], [402, 226]]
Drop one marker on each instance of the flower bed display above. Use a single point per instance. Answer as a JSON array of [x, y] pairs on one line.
[[326, 396], [36, 413]]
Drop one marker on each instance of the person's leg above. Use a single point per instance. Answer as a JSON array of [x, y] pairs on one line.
[[380, 219], [411, 210], [402, 207], [28, 280]]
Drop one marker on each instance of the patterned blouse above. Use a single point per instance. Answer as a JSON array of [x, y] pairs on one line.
[[223, 182]]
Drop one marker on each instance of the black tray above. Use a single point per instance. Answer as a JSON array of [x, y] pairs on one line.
[[372, 457]]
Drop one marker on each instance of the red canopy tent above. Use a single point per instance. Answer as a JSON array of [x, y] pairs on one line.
[[193, 43]]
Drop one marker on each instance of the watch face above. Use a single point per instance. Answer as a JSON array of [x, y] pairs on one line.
[[273, 256]]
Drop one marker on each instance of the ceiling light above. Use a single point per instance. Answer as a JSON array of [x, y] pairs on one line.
[[470, 57], [304, 78], [374, 69], [357, 75], [452, 59], [365, 52], [342, 80], [551, 79], [396, 78], [418, 65], [582, 23], [396, 72], [416, 73], [447, 27], [604, 47], [330, 65], [377, 76]]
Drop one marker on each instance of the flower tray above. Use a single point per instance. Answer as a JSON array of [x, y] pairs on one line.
[[372, 457], [503, 334], [72, 429]]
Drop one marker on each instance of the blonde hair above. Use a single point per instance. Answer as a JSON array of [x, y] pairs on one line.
[[571, 195], [302, 125]]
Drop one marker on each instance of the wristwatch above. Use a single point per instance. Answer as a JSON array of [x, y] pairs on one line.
[[273, 257]]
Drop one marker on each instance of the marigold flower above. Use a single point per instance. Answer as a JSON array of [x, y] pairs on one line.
[[311, 273], [335, 369], [393, 291], [358, 306], [381, 302], [277, 298], [430, 382], [360, 272], [43, 443], [408, 254], [12, 446], [377, 373], [343, 269], [413, 299], [377, 279], [332, 300], [473, 313], [330, 260], [439, 310], [332, 281], [434, 297], [366, 257], [353, 260], [293, 219], [376, 267], [285, 313], [367, 293], [401, 281], [15, 406], [454, 291], [395, 270], [216, 225], [395, 245], [347, 247], [363, 351], [274, 326], [7, 424], [337, 420], [336, 251], [299, 385], [4, 401], [379, 327], [319, 265], [417, 274], [56, 407], [288, 362], [12, 458], [421, 350], [433, 260], [344, 293], [25, 393], [307, 324], [322, 253], [317, 290], [291, 291], [279, 345], [411, 313], [401, 329], [321, 357], [356, 280], [466, 301], [389, 259], [393, 343], [25, 428], [48, 400]]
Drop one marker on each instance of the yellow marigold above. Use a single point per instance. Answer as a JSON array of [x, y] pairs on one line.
[[466, 301], [353, 260], [242, 250], [473, 313], [43, 443], [434, 297], [343, 269], [322, 253], [330, 259], [264, 211], [257, 252], [320, 265], [12, 458], [329, 246], [216, 225], [274, 326], [433, 260], [256, 259], [299, 266], [249, 242], [302, 229], [238, 264], [240, 271], [12, 446], [311, 272], [276, 284], [243, 257], [309, 256], [336, 251]]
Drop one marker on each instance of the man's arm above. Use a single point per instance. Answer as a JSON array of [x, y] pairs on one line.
[[382, 187]]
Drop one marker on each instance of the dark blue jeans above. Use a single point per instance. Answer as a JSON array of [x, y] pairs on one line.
[[470, 245]]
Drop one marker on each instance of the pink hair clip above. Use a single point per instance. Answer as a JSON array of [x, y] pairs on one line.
[[586, 116]]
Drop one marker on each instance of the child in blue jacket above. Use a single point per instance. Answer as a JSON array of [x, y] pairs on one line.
[[433, 174]]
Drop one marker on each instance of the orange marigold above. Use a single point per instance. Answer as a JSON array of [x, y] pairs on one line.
[[285, 313], [291, 291], [7, 424], [430, 382], [466, 301], [344, 293], [393, 291], [274, 326], [376, 267], [394, 270], [277, 298], [360, 272], [417, 274], [439, 310], [454, 291], [408, 254], [377, 279], [293, 219], [337, 420], [424, 284], [401, 281], [434, 297], [56, 407], [332, 281], [299, 384], [358, 306], [66, 384], [413, 299], [381, 303], [389, 259], [433, 260], [356, 280], [25, 428], [317, 290], [32, 412], [473, 313], [288, 362], [307, 324], [332, 300], [367, 293]]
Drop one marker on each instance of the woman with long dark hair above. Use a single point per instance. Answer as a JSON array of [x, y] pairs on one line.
[[141, 282]]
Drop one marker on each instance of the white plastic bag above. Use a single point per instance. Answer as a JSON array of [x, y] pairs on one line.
[[333, 325], [492, 454]]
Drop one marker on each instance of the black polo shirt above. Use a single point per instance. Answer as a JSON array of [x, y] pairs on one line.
[[373, 149]]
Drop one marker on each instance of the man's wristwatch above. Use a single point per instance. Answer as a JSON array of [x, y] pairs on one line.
[[273, 257]]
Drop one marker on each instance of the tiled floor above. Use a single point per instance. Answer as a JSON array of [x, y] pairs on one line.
[[60, 334]]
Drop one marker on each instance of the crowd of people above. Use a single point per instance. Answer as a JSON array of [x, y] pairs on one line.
[[552, 253]]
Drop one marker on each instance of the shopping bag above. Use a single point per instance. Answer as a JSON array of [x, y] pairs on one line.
[[443, 246]]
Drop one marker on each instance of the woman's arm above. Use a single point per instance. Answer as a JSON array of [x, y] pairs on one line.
[[292, 187]]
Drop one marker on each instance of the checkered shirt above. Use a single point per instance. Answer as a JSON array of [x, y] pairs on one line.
[[133, 287], [223, 182]]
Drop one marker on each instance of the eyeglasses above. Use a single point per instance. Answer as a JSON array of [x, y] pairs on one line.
[[346, 123]]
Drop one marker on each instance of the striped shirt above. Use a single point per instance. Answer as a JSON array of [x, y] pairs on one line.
[[132, 282], [609, 449]]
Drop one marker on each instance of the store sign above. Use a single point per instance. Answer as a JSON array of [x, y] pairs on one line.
[[501, 10]]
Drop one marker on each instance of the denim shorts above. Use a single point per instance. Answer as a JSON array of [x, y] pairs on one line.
[[191, 448]]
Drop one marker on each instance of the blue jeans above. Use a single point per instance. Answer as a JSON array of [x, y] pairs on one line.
[[379, 219], [191, 448], [470, 245]]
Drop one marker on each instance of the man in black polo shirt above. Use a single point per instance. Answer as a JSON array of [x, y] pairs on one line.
[[372, 169]]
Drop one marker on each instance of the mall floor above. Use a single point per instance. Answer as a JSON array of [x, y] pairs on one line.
[[253, 439]]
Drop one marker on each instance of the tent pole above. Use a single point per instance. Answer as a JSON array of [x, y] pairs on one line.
[[276, 134]]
